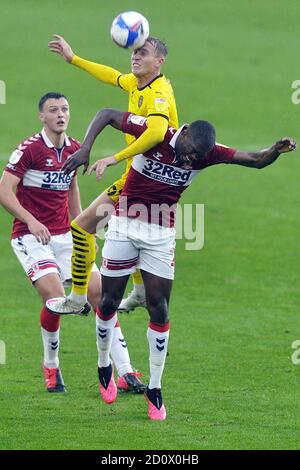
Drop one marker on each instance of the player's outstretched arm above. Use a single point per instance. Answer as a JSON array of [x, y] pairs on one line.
[[60, 46], [10, 202], [102, 119], [264, 157], [101, 72]]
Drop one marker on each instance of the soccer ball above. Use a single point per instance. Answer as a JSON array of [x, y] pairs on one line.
[[130, 29]]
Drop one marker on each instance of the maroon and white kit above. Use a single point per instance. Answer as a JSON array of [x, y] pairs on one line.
[[43, 191], [145, 235]]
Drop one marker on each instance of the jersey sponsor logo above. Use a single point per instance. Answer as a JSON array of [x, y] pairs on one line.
[[160, 104], [55, 180], [49, 162], [166, 173], [137, 120], [141, 99], [15, 157], [163, 172]]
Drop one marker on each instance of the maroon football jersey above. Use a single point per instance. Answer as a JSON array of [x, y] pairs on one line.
[[156, 179], [43, 187]]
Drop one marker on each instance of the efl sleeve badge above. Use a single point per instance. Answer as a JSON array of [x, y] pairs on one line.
[[161, 104]]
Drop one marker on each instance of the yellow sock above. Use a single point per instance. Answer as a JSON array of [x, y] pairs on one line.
[[137, 277], [83, 257]]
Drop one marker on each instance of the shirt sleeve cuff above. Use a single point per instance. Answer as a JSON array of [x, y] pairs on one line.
[[120, 156], [75, 60]]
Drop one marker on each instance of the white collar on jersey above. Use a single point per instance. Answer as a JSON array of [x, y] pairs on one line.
[[175, 136], [49, 143]]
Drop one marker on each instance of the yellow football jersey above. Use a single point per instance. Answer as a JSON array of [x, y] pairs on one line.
[[156, 98]]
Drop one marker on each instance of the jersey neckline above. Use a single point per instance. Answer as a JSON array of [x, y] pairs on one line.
[[148, 84]]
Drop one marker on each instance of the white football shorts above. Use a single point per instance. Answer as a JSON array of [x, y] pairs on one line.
[[38, 260], [131, 244]]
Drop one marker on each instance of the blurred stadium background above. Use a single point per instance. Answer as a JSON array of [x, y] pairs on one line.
[[229, 382]]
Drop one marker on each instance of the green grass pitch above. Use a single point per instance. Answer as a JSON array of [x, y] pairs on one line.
[[229, 382]]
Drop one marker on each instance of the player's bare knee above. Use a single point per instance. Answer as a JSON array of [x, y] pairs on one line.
[[109, 304], [158, 311], [49, 289], [94, 299], [51, 294]]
